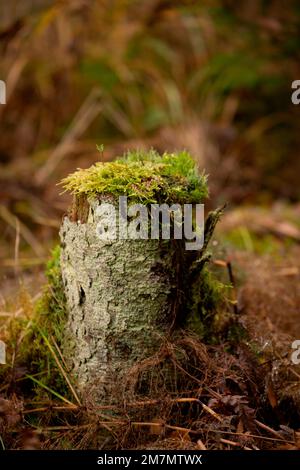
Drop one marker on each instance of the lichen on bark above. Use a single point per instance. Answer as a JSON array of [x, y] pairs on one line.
[[121, 298]]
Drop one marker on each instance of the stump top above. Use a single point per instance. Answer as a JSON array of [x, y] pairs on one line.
[[144, 177]]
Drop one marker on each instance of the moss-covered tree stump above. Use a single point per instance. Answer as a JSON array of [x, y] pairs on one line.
[[124, 295]]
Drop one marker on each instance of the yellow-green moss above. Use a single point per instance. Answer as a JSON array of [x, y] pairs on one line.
[[145, 177]]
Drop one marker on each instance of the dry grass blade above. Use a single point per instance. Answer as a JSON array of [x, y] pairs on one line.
[[255, 436], [28, 236], [270, 430], [59, 352], [2, 443], [47, 408], [234, 444], [63, 372], [17, 247], [56, 394], [211, 412]]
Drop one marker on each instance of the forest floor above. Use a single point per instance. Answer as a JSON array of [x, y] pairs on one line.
[[250, 396]]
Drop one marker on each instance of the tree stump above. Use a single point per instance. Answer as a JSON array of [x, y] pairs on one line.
[[123, 295]]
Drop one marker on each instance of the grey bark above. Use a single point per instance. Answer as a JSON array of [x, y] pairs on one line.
[[121, 298]]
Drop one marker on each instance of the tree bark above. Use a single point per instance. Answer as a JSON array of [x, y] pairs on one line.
[[122, 297]]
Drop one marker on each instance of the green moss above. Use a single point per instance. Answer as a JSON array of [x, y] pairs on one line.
[[207, 311], [207, 306], [144, 177], [237, 333], [51, 310], [28, 337], [49, 319]]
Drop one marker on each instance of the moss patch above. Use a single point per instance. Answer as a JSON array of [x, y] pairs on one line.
[[33, 342], [144, 177], [47, 328], [207, 297]]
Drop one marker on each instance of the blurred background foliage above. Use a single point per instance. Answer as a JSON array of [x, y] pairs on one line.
[[210, 76]]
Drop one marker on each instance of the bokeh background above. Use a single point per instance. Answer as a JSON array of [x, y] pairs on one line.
[[210, 76], [87, 80]]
